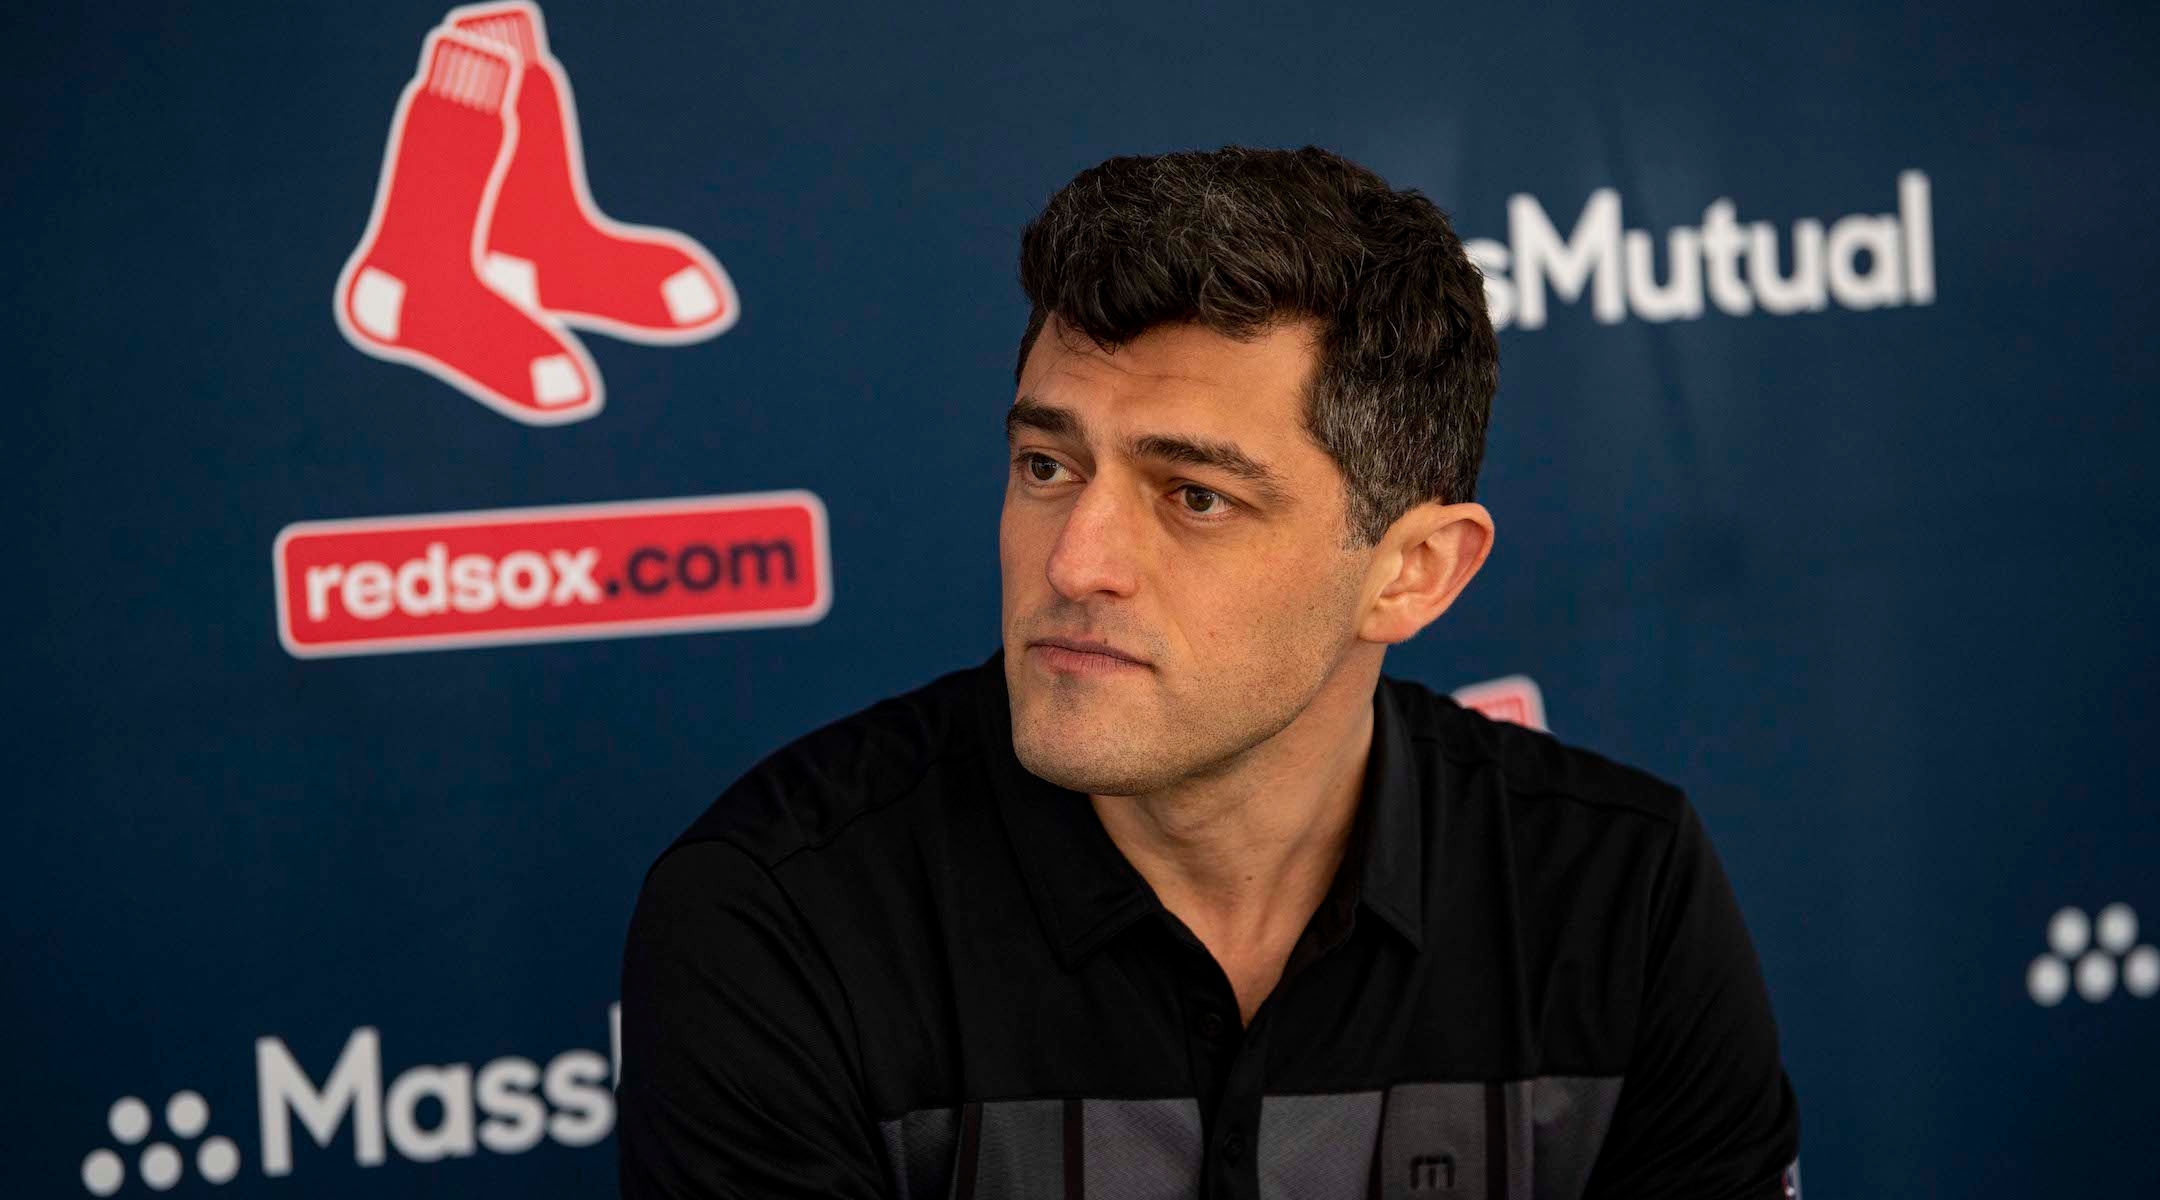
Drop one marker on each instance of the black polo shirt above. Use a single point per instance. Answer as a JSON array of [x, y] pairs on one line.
[[890, 962]]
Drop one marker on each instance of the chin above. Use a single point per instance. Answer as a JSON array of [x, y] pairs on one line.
[[1101, 764]]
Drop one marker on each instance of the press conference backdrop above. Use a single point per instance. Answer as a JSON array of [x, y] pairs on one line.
[[449, 447]]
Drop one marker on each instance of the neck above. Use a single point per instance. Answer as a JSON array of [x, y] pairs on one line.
[[1244, 854]]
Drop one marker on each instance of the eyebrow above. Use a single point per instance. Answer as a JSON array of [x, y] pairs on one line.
[[1030, 413]]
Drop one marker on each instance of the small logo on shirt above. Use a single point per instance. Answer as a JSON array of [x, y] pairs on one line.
[[1432, 1173]]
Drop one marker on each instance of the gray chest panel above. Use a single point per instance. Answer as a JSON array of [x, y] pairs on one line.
[[1529, 1139]]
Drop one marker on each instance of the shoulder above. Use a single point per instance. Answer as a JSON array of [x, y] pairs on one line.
[[1581, 842], [1532, 769], [813, 790]]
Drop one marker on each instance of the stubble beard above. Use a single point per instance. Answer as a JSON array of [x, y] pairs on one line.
[[1138, 737], [1094, 746]]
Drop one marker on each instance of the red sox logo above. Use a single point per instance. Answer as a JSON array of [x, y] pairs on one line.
[[485, 249]]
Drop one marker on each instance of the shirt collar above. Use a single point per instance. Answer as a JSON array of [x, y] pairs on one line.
[[1393, 884], [1086, 892]]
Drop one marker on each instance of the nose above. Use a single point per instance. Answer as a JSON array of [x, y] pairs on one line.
[[1098, 550]]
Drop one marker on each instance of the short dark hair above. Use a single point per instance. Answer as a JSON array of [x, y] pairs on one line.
[[1241, 240]]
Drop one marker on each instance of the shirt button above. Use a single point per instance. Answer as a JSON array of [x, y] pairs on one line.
[[1233, 1146], [1211, 1025]]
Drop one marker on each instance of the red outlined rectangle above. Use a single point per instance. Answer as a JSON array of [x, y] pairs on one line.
[[635, 568]]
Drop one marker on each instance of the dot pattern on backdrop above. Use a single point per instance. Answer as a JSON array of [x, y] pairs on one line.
[[160, 1164], [2094, 955]]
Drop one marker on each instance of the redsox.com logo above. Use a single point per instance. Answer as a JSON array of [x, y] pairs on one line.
[[424, 1114], [485, 249], [436, 581]]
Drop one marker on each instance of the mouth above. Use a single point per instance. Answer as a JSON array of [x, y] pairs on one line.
[[1080, 654]]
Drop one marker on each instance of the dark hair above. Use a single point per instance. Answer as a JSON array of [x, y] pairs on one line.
[[1240, 241]]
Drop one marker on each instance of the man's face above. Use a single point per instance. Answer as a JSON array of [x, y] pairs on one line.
[[1166, 507]]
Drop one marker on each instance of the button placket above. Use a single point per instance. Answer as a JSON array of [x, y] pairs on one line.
[[1237, 1113], [1233, 1146]]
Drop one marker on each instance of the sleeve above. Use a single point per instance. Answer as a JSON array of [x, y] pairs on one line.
[[1705, 1111], [739, 1061]]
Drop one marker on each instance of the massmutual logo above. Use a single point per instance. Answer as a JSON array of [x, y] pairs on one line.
[[2094, 955], [424, 1113], [485, 250], [1861, 261]]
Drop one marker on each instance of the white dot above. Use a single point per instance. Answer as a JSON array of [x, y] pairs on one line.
[[2118, 928], [2095, 976], [102, 1172], [2141, 972], [186, 1114], [2068, 932], [2047, 979], [160, 1167], [129, 1120], [218, 1160]]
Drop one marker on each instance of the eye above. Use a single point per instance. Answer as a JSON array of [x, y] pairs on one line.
[[1040, 468], [1201, 502]]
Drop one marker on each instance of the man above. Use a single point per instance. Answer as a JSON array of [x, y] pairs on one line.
[[1176, 896]]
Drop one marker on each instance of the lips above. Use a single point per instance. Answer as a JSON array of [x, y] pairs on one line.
[[1085, 646]]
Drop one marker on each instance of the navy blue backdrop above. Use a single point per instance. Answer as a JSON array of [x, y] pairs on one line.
[[1859, 567]]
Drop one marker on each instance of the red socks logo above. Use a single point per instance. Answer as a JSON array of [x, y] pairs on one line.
[[485, 248]]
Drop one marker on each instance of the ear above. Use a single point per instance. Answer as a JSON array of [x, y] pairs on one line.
[[1424, 561]]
